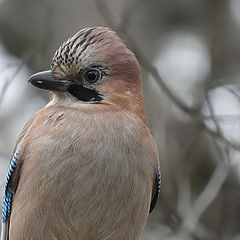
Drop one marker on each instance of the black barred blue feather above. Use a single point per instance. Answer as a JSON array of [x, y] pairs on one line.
[[155, 197], [8, 191]]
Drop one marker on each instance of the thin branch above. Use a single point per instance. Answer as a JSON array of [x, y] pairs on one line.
[[11, 78], [218, 133], [210, 106], [234, 92], [205, 198], [191, 222], [9, 81], [222, 117], [127, 14], [222, 139]]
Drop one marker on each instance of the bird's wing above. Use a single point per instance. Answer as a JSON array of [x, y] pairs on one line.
[[11, 183], [8, 194], [156, 191]]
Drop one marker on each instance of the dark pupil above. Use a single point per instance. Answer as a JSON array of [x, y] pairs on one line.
[[92, 76]]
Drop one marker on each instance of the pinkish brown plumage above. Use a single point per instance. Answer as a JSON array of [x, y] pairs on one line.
[[88, 162]]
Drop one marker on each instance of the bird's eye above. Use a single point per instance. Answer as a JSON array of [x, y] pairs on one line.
[[92, 75]]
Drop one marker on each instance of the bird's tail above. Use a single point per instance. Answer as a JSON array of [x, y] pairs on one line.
[[4, 230]]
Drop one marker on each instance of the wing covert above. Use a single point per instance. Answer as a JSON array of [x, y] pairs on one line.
[[8, 191]]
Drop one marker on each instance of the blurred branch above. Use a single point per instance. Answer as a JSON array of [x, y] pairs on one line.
[[191, 222], [205, 198], [211, 190], [222, 139], [210, 106], [9, 81], [234, 92], [127, 14], [107, 14], [222, 117], [218, 133]]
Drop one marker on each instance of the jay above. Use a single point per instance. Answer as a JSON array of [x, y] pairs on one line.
[[85, 167]]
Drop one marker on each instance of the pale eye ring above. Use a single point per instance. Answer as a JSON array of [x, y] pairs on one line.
[[92, 75]]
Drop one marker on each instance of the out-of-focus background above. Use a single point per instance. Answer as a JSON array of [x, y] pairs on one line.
[[189, 52]]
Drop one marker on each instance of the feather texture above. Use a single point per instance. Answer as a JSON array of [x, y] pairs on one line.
[[83, 172]]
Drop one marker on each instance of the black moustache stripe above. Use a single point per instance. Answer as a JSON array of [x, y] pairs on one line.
[[84, 94]]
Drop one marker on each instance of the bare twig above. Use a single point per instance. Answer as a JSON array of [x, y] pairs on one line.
[[211, 190], [218, 133], [11, 78], [205, 198], [222, 117], [127, 14], [234, 92], [9, 81], [222, 139], [210, 106]]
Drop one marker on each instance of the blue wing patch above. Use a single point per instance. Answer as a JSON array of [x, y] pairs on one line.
[[8, 192], [154, 200]]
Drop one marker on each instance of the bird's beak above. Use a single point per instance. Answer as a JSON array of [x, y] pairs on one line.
[[45, 80]]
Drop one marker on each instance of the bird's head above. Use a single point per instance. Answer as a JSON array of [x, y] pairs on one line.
[[93, 66]]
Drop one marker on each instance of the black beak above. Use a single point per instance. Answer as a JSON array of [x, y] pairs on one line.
[[45, 80]]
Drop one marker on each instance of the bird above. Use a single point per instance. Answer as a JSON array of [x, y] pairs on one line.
[[85, 166]]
